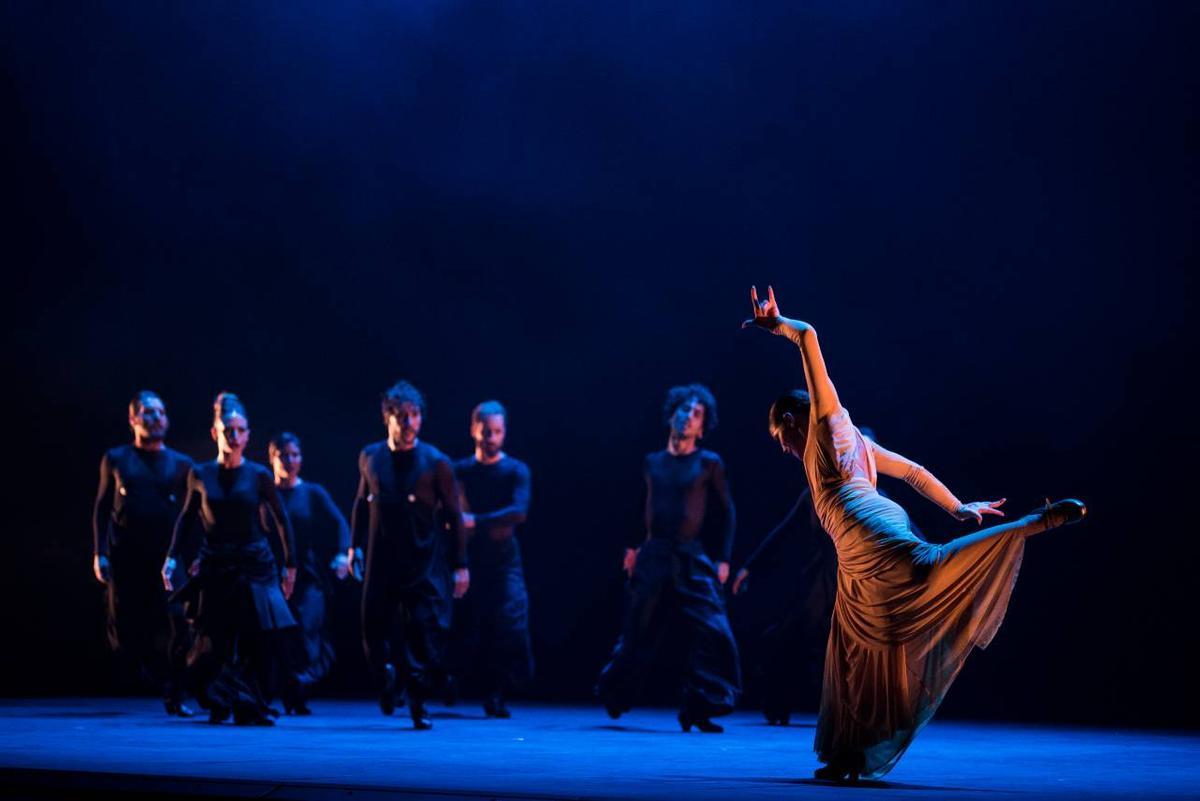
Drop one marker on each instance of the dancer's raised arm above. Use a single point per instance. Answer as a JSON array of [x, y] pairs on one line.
[[820, 388]]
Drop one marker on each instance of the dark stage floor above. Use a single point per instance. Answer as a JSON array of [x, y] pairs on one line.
[[347, 749]]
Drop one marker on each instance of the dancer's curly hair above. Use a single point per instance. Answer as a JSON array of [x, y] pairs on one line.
[[678, 396]]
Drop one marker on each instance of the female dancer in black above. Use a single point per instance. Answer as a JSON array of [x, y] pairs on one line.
[[235, 598], [322, 539], [907, 612]]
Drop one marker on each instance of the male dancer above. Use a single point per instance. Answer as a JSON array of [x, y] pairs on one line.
[[403, 484], [142, 487], [671, 577], [495, 619]]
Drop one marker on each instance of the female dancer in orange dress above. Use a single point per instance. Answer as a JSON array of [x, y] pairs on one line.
[[907, 611]]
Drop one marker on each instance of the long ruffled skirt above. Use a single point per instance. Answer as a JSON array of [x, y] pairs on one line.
[[907, 615]]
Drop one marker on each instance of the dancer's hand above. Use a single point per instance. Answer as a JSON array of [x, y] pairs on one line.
[[468, 520], [168, 569], [462, 582], [739, 581], [194, 567], [100, 568], [978, 509], [340, 566], [289, 582], [630, 561], [355, 558], [722, 572], [766, 312]]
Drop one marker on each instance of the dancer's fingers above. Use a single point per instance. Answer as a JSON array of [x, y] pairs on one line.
[[999, 503], [771, 298]]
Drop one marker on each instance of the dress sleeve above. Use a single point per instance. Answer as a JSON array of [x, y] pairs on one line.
[[282, 525], [916, 476], [517, 509], [189, 516], [647, 509], [360, 513], [102, 509], [447, 490], [720, 487], [336, 522], [837, 443]]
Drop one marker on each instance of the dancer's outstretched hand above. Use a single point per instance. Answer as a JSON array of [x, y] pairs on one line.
[[722, 572], [978, 509], [288, 585], [766, 312]]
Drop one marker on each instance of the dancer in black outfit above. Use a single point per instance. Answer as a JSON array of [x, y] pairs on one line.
[[403, 486], [322, 540], [234, 598], [671, 578], [141, 490], [491, 625]]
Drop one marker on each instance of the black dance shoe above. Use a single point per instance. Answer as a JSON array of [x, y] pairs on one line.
[[1062, 513], [836, 773], [420, 718], [687, 721], [178, 709], [387, 696], [494, 707], [218, 714]]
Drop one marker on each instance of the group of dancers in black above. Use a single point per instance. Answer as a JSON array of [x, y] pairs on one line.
[[235, 613], [232, 616]]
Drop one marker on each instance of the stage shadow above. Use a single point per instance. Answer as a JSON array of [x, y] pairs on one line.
[[874, 784], [630, 729], [81, 714], [457, 716]]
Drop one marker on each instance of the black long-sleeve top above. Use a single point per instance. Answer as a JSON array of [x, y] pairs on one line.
[[678, 491], [497, 494], [320, 528], [228, 502], [399, 495], [140, 495]]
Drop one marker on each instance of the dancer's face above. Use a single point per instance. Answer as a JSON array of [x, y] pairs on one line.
[[231, 434], [688, 420], [404, 424], [489, 435], [286, 462], [791, 438], [150, 423]]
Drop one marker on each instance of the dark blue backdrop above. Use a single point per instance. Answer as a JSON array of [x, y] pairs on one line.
[[987, 209]]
